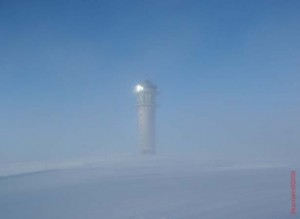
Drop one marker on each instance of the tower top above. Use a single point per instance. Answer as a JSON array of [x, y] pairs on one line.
[[146, 86]]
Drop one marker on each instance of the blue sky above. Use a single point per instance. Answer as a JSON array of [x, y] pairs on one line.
[[228, 74]]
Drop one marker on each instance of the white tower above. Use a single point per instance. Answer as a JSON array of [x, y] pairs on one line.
[[146, 102]]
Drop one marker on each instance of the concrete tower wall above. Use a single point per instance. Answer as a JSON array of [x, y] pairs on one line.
[[146, 126]]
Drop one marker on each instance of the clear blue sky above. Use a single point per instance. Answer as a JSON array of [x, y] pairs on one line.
[[228, 73]]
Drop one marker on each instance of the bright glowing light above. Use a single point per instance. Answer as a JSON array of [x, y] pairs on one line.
[[139, 88]]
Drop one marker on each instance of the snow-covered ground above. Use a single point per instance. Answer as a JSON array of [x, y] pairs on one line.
[[149, 188]]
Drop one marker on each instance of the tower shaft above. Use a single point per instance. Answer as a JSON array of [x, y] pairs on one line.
[[146, 129]]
